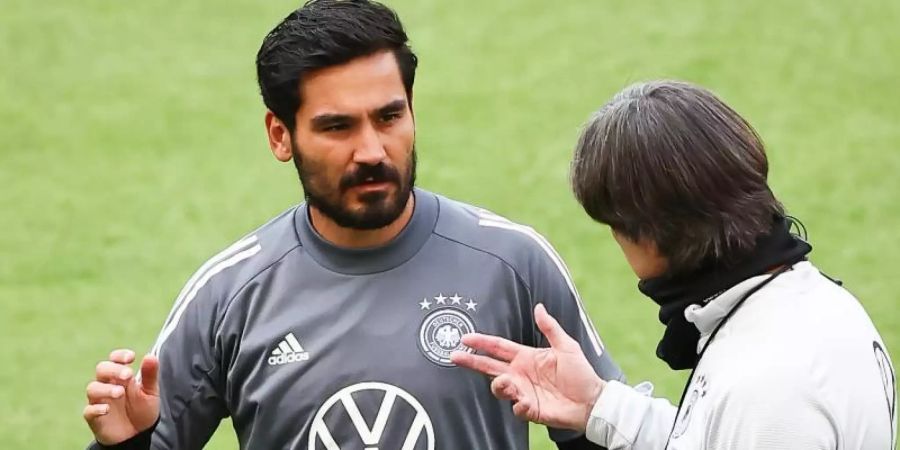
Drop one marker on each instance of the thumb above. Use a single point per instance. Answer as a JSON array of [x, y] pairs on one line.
[[150, 375], [552, 329]]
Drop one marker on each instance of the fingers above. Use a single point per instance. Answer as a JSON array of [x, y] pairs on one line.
[[522, 410], [497, 347], [504, 388], [111, 372], [150, 375], [91, 412], [98, 392], [122, 356], [551, 328], [484, 364]]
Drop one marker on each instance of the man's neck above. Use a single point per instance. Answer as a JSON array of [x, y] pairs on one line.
[[353, 238]]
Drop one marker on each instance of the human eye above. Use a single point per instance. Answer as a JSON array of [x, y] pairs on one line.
[[391, 116]]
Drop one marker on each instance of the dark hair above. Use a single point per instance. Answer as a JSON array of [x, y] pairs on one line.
[[325, 33], [669, 162]]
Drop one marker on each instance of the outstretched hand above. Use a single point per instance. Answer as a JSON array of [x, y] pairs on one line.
[[554, 386]]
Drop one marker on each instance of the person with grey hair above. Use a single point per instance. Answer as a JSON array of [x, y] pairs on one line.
[[781, 356]]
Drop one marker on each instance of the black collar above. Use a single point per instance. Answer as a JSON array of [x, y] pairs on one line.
[[678, 346]]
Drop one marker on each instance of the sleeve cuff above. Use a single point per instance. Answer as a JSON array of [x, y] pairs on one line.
[[617, 415], [140, 441]]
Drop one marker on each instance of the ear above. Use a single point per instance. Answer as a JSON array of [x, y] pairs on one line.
[[279, 138]]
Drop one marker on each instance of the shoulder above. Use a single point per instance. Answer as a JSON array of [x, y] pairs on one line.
[[518, 245], [804, 337], [805, 288], [226, 272], [204, 298], [806, 311]]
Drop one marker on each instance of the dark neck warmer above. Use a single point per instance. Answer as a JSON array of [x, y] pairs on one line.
[[678, 346]]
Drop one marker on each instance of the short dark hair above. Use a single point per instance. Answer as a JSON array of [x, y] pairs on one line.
[[670, 162], [325, 33]]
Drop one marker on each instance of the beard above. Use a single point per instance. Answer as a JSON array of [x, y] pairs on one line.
[[379, 209]]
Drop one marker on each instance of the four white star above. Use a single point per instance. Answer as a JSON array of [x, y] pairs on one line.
[[442, 300]]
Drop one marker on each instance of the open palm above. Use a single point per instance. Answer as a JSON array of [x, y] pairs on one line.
[[554, 386]]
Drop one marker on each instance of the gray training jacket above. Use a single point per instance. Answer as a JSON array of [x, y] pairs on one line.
[[310, 346]]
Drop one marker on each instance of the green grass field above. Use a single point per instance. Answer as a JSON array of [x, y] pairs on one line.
[[132, 148]]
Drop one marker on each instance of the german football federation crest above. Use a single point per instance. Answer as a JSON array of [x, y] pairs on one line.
[[697, 392], [441, 331]]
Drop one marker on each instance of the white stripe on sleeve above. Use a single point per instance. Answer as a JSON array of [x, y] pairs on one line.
[[199, 280], [492, 220]]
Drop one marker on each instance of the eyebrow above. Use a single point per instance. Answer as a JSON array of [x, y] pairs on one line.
[[394, 106], [326, 119]]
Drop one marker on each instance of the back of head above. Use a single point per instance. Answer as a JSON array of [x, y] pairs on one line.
[[325, 33], [669, 162]]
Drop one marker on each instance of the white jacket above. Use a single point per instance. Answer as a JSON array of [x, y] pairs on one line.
[[798, 366]]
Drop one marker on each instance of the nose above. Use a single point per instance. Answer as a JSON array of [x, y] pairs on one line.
[[369, 149]]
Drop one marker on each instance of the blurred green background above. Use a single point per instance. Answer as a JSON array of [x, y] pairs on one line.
[[132, 148]]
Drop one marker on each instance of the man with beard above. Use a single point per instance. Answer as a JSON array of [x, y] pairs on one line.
[[332, 325]]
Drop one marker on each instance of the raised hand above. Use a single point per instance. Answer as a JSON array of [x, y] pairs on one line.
[[554, 386], [119, 407]]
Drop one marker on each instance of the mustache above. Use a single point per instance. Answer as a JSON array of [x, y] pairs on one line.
[[379, 173]]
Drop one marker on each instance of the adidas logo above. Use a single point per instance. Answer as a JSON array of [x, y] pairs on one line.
[[288, 351]]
